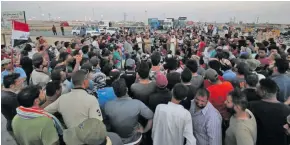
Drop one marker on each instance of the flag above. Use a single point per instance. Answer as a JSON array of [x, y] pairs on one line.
[[20, 31]]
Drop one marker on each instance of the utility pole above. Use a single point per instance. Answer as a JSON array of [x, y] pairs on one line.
[[49, 16], [125, 16], [257, 21], [93, 14]]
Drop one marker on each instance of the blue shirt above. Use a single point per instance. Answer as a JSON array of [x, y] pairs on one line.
[[229, 75], [206, 125], [16, 70], [283, 82]]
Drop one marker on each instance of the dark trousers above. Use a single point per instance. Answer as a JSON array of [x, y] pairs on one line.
[[54, 33]]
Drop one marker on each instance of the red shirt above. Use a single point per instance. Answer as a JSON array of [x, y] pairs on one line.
[[68, 50], [218, 96], [200, 48], [207, 83]]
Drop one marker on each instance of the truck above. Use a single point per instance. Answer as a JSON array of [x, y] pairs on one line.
[[153, 23], [168, 23], [182, 22]]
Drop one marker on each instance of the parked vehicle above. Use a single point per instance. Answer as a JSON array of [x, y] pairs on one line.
[[88, 31]]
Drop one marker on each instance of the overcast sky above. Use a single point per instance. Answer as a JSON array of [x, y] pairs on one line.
[[274, 12]]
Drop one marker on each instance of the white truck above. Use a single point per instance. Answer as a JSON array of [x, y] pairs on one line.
[[76, 31], [168, 23]]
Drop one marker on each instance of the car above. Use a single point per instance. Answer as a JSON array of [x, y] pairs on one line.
[[111, 30], [76, 31]]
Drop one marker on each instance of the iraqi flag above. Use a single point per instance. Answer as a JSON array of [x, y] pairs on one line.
[[20, 31]]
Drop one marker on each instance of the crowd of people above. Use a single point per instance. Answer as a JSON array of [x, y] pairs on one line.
[[185, 86]]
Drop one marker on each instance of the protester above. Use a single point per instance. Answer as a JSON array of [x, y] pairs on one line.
[[59, 74], [243, 127], [144, 87], [124, 120], [200, 56], [54, 30], [39, 75], [281, 79], [130, 74], [9, 68], [186, 80], [162, 95], [165, 130], [26, 64], [197, 80], [84, 105], [12, 85], [270, 124], [206, 120], [53, 91], [250, 91], [43, 127]]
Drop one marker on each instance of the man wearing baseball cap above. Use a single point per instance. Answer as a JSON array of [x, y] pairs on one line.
[[218, 94], [130, 74], [162, 94]]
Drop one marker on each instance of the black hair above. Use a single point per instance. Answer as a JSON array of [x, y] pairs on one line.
[[263, 48], [252, 79], [216, 65], [155, 58], [265, 43], [41, 47], [91, 54], [192, 65], [37, 38], [202, 92], [180, 91], [94, 37], [107, 69], [282, 65], [63, 56], [120, 87], [78, 77], [73, 45], [56, 42], [52, 87], [143, 70], [27, 96], [55, 75], [186, 75], [243, 68], [85, 49], [239, 98], [273, 47], [283, 46], [24, 53], [268, 85], [66, 44], [10, 79], [82, 41], [202, 38], [37, 63], [28, 47]]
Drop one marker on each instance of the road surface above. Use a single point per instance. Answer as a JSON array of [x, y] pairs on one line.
[[6, 139]]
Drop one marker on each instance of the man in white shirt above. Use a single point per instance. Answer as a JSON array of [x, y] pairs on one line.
[[172, 123]]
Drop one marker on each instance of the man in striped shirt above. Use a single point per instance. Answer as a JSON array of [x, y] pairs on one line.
[[206, 120]]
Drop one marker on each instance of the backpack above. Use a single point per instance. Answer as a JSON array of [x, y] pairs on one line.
[[105, 95]]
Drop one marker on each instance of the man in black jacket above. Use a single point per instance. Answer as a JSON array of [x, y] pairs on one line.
[[12, 84]]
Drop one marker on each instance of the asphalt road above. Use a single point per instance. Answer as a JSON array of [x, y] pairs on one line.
[[6, 139], [50, 34]]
